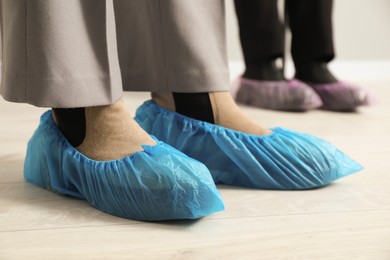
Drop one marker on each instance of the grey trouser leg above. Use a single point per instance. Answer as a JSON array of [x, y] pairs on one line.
[[78, 53]]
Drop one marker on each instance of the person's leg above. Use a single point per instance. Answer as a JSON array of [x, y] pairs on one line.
[[262, 38], [312, 39], [63, 54], [188, 54], [55, 54], [312, 48], [161, 182], [208, 125], [49, 61]]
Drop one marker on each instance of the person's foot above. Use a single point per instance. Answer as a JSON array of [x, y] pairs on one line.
[[215, 107], [263, 85], [102, 133], [158, 183], [314, 72], [340, 95], [335, 95], [287, 95], [283, 159]]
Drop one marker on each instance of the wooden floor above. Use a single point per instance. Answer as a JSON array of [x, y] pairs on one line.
[[349, 219]]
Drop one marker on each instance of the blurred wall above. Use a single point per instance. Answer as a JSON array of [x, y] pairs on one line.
[[361, 29]]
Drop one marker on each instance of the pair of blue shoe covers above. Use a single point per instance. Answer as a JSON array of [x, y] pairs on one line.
[[175, 179]]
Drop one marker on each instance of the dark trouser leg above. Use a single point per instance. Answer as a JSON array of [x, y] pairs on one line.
[[262, 37], [312, 38]]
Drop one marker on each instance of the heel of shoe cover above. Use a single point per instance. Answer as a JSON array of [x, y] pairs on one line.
[[341, 95], [284, 160], [290, 95], [159, 183]]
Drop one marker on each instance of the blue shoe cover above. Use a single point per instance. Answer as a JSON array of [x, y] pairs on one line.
[[159, 183], [284, 160]]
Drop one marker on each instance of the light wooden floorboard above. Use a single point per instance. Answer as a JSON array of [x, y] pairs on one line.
[[357, 235], [349, 219]]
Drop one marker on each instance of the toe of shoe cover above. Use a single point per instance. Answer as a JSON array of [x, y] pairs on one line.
[[277, 95], [341, 95], [159, 183], [284, 159]]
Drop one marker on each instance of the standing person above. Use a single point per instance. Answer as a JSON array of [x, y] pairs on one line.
[[262, 37], [77, 57]]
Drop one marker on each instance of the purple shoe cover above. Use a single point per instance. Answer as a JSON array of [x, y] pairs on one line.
[[341, 96], [289, 95]]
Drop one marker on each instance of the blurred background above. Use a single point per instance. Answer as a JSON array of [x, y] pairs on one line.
[[361, 34], [361, 29]]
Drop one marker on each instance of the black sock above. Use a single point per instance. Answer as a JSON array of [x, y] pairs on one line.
[[314, 72], [264, 70], [194, 105], [71, 122]]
